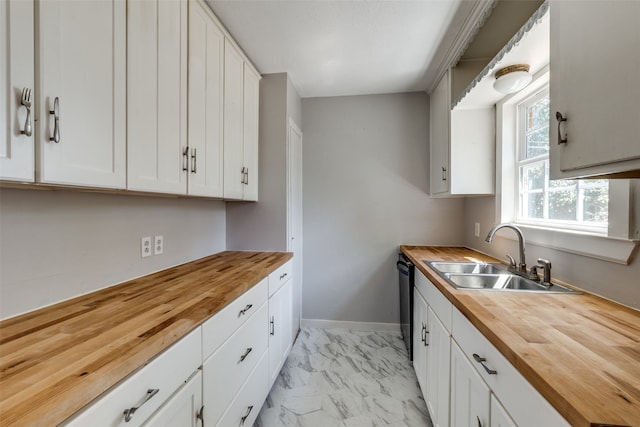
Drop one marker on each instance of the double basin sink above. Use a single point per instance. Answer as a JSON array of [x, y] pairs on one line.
[[485, 276]]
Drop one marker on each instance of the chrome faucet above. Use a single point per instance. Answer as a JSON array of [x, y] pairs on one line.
[[520, 268]]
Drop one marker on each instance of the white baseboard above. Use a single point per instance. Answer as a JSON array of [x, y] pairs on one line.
[[354, 326]]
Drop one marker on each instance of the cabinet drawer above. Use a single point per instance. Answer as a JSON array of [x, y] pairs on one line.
[[244, 409], [216, 330], [166, 373], [231, 364], [526, 406], [440, 305], [280, 277]]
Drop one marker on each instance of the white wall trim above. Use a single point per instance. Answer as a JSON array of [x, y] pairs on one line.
[[354, 326]]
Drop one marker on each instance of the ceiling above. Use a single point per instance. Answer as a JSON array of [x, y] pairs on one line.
[[344, 47]]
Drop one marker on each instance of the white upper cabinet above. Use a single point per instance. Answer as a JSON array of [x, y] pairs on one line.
[[81, 69], [16, 78], [439, 112], [462, 146], [595, 64], [157, 96], [233, 115], [241, 92], [206, 108], [250, 133]]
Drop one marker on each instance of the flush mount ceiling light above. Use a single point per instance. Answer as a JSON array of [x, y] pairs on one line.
[[513, 78]]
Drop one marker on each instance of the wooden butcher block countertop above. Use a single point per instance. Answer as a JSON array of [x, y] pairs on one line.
[[581, 352], [55, 360]]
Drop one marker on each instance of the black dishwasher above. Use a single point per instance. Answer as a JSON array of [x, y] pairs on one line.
[[406, 280]]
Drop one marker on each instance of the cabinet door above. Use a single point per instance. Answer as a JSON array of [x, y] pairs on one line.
[[421, 339], [233, 125], [469, 393], [595, 64], [183, 409], [250, 133], [206, 82], [16, 73], [439, 122], [280, 310], [499, 415], [82, 64], [157, 95], [438, 364]]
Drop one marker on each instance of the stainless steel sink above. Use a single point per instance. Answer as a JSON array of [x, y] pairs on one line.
[[466, 267], [469, 275]]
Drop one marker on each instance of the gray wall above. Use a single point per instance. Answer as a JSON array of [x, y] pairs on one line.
[[613, 281], [262, 226], [55, 245], [365, 193]]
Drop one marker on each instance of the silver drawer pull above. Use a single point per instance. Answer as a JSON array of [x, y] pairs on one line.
[[481, 361], [128, 413], [283, 276], [244, 310], [273, 326], [246, 353], [243, 419]]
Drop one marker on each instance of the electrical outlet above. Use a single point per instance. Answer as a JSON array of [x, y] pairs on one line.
[[145, 247], [158, 245], [477, 230]]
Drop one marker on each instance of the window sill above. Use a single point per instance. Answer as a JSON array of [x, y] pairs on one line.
[[595, 246]]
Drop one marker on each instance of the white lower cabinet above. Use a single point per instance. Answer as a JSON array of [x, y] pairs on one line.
[[464, 379], [280, 318], [134, 400], [432, 347], [499, 415], [244, 409], [184, 409], [470, 395], [228, 368], [438, 361], [420, 337]]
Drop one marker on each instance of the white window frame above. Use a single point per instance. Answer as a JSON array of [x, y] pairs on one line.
[[530, 98], [616, 245]]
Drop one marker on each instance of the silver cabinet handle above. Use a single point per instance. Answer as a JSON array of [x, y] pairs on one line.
[[272, 325], [481, 361], [243, 419], [194, 159], [25, 100], [56, 120], [185, 159], [479, 422], [423, 335], [283, 276], [560, 119], [200, 415], [246, 175], [128, 413], [246, 353], [244, 310]]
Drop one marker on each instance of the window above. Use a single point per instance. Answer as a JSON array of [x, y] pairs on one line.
[[569, 204]]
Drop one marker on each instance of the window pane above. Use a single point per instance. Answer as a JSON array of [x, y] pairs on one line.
[[563, 183], [534, 176], [538, 142], [537, 128], [562, 205], [535, 205], [538, 114], [596, 204]]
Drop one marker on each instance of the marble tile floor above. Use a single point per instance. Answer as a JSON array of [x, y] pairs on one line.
[[345, 378]]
